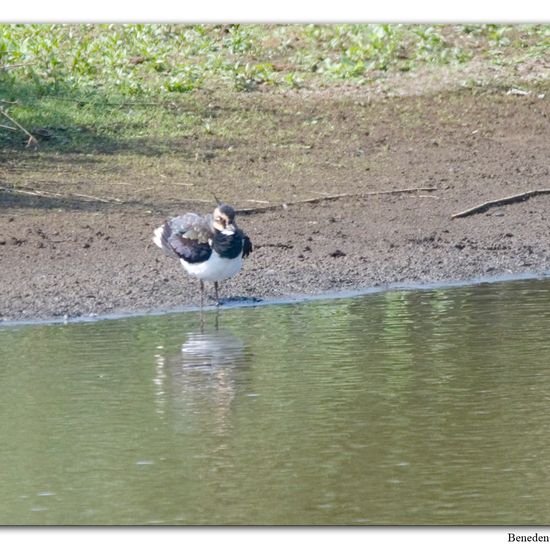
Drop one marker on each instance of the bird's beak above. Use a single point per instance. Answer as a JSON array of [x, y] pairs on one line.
[[229, 229]]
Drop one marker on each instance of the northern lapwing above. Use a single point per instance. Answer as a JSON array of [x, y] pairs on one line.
[[210, 248]]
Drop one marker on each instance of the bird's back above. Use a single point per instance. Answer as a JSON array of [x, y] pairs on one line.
[[192, 226], [185, 237]]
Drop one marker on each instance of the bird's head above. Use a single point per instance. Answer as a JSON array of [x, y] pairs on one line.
[[224, 219]]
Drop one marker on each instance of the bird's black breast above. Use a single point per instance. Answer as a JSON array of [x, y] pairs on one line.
[[228, 246]]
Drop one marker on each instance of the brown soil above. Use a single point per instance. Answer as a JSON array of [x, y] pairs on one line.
[[70, 255]]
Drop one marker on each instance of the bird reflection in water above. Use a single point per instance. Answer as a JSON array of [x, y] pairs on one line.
[[202, 380]]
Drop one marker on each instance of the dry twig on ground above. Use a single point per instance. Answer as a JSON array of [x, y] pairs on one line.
[[483, 207], [37, 193], [32, 141], [332, 198]]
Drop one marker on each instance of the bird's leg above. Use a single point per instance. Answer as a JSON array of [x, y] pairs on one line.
[[202, 293], [201, 321], [216, 293]]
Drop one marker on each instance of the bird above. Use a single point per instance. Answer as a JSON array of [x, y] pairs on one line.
[[210, 248]]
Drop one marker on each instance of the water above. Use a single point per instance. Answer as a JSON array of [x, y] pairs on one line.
[[402, 408]]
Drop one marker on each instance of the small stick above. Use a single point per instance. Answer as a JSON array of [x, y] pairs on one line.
[[36, 193], [108, 103], [93, 198], [501, 202], [25, 192], [368, 193], [6, 67], [332, 198], [32, 140]]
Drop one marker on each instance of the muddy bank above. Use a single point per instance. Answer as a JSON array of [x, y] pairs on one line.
[[83, 246]]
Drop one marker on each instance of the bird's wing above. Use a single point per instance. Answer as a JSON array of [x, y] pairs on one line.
[[186, 237], [192, 226]]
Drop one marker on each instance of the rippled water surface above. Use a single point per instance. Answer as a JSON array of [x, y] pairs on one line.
[[403, 407]]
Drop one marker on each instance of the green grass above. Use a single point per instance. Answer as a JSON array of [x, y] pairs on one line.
[[83, 83], [140, 60]]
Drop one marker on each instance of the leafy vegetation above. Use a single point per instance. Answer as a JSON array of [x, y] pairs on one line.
[[73, 77], [137, 60]]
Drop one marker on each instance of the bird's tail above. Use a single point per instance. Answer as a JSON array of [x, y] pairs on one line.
[[157, 238], [160, 238]]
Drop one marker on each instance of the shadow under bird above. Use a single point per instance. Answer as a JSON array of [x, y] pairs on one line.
[[210, 248]]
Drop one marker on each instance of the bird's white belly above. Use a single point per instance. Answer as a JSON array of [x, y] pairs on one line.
[[215, 268]]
